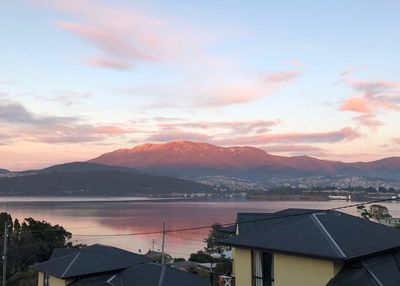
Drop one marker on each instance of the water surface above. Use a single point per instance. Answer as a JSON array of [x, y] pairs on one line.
[[92, 220]]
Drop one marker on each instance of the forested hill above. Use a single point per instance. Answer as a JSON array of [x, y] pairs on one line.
[[4, 171], [83, 179]]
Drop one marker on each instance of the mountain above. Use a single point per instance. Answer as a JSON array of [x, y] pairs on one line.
[[83, 167], [187, 158], [90, 179], [4, 171]]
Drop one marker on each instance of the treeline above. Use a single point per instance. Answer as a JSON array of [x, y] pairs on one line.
[[103, 183], [29, 242]]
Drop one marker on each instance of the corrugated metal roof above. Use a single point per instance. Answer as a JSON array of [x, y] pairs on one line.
[[93, 259], [325, 234], [381, 270], [151, 274], [148, 274]]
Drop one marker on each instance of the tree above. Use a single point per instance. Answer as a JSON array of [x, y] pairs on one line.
[[379, 212], [28, 243], [213, 237], [201, 257], [375, 212], [363, 212]]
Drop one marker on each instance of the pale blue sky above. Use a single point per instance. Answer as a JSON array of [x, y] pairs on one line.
[[92, 76]]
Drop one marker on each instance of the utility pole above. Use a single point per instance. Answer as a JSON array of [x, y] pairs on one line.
[[162, 247], [5, 255], [153, 242]]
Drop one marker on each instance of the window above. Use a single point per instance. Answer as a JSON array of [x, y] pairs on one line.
[[46, 280], [262, 268]]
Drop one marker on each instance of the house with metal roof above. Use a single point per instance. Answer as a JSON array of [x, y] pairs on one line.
[[313, 248], [101, 265]]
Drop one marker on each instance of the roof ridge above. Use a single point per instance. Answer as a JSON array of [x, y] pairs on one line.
[[162, 276], [57, 258], [327, 235], [369, 271], [69, 266]]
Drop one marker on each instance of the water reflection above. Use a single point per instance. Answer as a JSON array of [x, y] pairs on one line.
[[99, 217]]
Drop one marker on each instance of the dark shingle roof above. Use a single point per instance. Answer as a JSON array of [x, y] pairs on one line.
[[93, 259], [149, 274], [325, 234], [374, 271]]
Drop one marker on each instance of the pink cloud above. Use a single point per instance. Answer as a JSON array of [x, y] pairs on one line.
[[373, 88], [110, 130], [107, 63], [23, 124], [369, 120], [360, 105], [345, 134], [247, 91], [396, 140], [284, 76], [374, 96], [251, 126], [123, 35], [292, 148], [165, 136]]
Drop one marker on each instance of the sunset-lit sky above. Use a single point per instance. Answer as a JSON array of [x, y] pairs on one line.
[[80, 78]]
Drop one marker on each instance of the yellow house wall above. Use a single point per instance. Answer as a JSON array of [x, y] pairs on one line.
[[40, 279], [242, 267], [301, 271], [53, 281]]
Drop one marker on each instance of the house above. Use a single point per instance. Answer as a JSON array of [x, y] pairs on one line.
[[313, 248], [101, 265], [390, 221], [156, 257]]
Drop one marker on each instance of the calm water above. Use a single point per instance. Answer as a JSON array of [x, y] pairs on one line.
[[99, 216]]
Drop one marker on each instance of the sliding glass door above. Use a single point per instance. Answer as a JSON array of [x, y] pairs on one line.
[[262, 268]]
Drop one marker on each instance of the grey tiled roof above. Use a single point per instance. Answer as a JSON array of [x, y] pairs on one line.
[[325, 234], [148, 274], [381, 270], [93, 259]]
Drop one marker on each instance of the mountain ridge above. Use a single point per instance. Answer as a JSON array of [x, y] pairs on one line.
[[199, 158], [90, 179]]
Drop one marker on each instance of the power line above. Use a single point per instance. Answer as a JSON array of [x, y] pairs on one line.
[[233, 223]]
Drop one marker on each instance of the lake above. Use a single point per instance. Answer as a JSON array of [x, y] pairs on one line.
[[90, 220]]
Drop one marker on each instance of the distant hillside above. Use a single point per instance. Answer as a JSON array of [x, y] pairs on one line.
[[94, 180], [84, 166], [186, 158], [4, 171]]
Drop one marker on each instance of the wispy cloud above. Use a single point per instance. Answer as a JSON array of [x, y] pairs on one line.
[[242, 127], [293, 148], [246, 91], [296, 150], [122, 35], [172, 135], [374, 96], [23, 124], [13, 112], [181, 129], [345, 134], [65, 97], [107, 62]]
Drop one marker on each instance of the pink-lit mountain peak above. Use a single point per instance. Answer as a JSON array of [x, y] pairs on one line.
[[183, 156], [186, 153]]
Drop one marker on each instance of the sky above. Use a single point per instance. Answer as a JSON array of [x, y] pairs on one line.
[[316, 78]]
